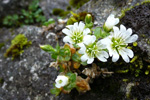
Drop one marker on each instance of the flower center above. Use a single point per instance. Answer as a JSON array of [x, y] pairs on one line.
[[118, 43], [60, 81], [77, 37], [92, 50]]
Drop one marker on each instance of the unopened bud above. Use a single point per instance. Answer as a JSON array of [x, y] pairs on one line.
[[88, 19]]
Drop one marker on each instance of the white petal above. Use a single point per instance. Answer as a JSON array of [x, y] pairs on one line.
[[67, 39], [124, 56], [100, 44], [90, 60], [122, 28], [132, 39], [70, 27], [102, 59], [129, 52], [81, 26], [102, 56], [84, 58], [116, 21], [111, 21], [105, 54], [105, 41], [116, 31], [86, 31], [66, 31], [128, 33], [115, 56], [75, 26], [88, 39], [58, 85], [82, 48]]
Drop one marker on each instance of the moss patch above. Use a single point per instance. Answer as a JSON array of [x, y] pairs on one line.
[[78, 17], [60, 12], [1, 45], [77, 3], [17, 46]]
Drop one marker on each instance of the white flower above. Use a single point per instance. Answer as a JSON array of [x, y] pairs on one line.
[[117, 42], [61, 81], [75, 33], [91, 49], [110, 22]]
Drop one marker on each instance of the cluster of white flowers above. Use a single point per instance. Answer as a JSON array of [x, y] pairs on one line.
[[116, 43]]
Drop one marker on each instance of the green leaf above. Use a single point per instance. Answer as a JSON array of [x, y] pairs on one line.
[[75, 57], [55, 91], [90, 25], [72, 77], [70, 86], [64, 54], [50, 21], [99, 33], [47, 48], [84, 63]]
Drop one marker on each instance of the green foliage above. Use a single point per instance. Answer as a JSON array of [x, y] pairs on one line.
[[1, 45], [32, 15], [77, 3], [55, 91], [50, 21], [61, 54], [78, 17], [17, 46], [11, 20], [60, 12], [72, 82], [99, 33]]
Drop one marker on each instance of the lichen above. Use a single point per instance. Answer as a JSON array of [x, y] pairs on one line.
[[17, 46]]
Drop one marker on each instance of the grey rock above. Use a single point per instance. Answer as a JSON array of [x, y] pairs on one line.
[[101, 9], [8, 7], [28, 77], [48, 6]]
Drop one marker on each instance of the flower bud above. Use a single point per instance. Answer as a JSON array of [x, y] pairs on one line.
[[110, 22], [88, 19]]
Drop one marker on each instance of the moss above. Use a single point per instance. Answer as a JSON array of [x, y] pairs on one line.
[[1, 80], [77, 3], [128, 9], [1, 45], [17, 46], [124, 11], [60, 12], [78, 17], [146, 1]]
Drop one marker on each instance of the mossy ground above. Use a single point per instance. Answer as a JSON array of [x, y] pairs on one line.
[[17, 46]]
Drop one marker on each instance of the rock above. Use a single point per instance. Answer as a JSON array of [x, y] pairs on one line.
[[28, 77], [48, 6], [101, 9], [8, 7]]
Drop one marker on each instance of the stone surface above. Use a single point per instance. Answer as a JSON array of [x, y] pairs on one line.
[[101, 9], [48, 5], [29, 76], [12, 6]]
